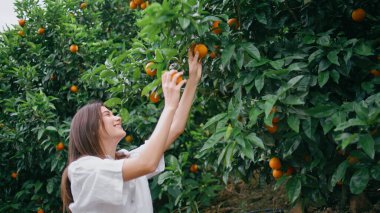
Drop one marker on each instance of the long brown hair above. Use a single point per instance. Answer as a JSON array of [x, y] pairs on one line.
[[84, 140]]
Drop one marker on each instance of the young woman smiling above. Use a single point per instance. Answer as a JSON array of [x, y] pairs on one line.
[[100, 179]]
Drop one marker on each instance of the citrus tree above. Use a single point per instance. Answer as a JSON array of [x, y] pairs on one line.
[[289, 89]]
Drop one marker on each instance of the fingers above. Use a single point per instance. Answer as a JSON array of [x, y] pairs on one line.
[[180, 84], [190, 54]]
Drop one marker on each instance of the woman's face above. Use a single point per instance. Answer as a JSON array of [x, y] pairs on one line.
[[112, 126]]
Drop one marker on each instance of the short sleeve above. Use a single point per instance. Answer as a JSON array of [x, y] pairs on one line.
[[95, 181]]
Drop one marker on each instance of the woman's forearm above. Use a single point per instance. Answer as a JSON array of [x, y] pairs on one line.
[[182, 113]]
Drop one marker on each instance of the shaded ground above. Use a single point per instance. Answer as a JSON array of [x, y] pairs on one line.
[[262, 198]]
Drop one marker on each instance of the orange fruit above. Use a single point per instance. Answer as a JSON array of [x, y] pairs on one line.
[[179, 79], [40, 210], [149, 71], [212, 55], [358, 15], [215, 27], [129, 138], [352, 160], [41, 31], [375, 72], [74, 48], [194, 168], [201, 49], [74, 89], [60, 146], [154, 97], [272, 129], [21, 33], [83, 5], [275, 120], [233, 22], [138, 2], [290, 171], [273, 110], [132, 5], [143, 5], [277, 173], [275, 163], [14, 175], [21, 22]]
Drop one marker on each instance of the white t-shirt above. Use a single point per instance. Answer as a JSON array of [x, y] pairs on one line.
[[97, 186]]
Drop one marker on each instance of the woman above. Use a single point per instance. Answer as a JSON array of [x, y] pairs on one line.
[[96, 180]]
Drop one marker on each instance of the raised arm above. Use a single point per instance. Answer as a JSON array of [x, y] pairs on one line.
[[183, 110], [151, 154]]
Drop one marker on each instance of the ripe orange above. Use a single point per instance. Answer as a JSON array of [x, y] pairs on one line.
[[74, 48], [212, 55], [21, 22], [375, 72], [194, 168], [74, 89], [215, 27], [144, 5], [149, 71], [132, 5], [352, 160], [60, 146], [41, 31], [83, 5], [21, 33], [14, 175], [40, 210], [290, 171], [358, 15], [179, 79], [233, 22], [275, 163], [138, 2], [129, 138], [154, 97], [275, 120], [201, 49], [277, 173], [272, 129]]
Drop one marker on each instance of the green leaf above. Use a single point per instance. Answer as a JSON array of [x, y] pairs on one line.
[[339, 173], [227, 54], [269, 103], [50, 187], [214, 139], [159, 58], [255, 140], [228, 132], [323, 65], [324, 41], [323, 77], [107, 74], [278, 64], [51, 128], [375, 172], [124, 114], [261, 17], [293, 189], [350, 123], [297, 66], [368, 145], [184, 22], [259, 83], [112, 102], [251, 50], [359, 181], [363, 49], [321, 111], [332, 56], [294, 122], [214, 119]]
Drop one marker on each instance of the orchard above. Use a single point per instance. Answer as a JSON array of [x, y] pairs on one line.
[[290, 91]]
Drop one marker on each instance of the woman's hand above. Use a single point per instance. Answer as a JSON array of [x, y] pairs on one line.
[[170, 89], [195, 67]]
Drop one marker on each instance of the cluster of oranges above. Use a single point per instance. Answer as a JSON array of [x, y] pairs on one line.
[[134, 4], [275, 165], [22, 23], [232, 22], [273, 129]]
